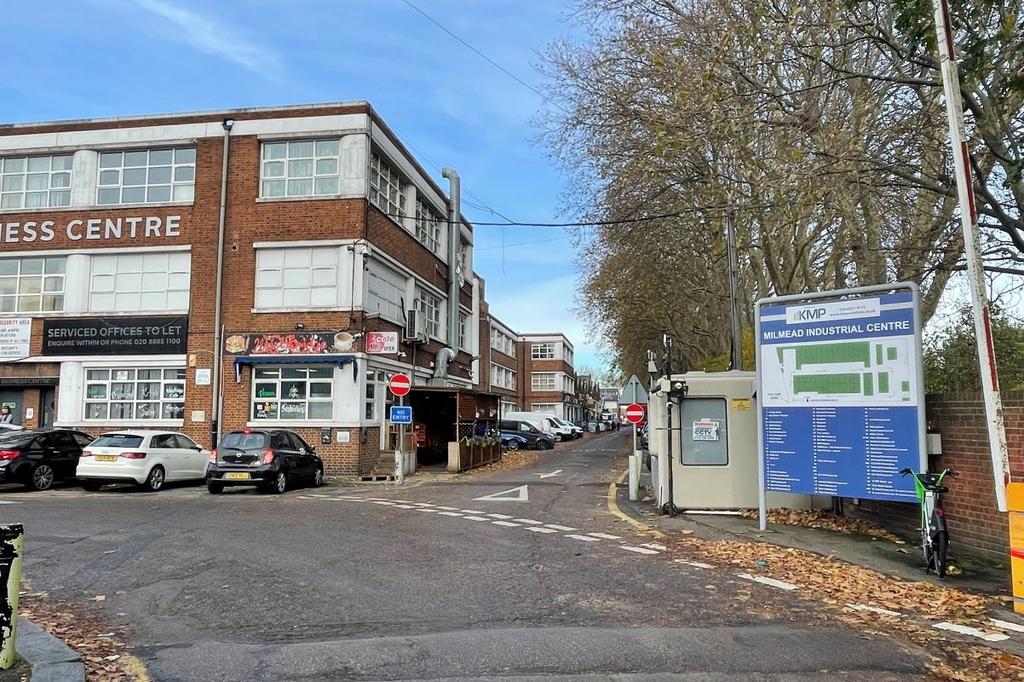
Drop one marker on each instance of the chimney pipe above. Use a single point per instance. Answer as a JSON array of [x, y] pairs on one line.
[[454, 240]]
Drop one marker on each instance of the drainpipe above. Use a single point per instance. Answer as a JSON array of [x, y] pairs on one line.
[[454, 239], [218, 329]]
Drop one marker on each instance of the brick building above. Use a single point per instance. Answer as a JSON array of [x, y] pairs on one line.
[[332, 232]]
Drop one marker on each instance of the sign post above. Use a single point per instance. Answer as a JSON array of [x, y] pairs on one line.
[[840, 391], [634, 415], [400, 385]]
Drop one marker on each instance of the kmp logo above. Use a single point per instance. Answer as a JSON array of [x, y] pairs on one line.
[[832, 310], [811, 314]]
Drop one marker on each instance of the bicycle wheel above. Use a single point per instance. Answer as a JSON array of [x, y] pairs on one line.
[[940, 544]]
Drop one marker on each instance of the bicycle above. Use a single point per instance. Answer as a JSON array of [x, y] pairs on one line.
[[934, 535]]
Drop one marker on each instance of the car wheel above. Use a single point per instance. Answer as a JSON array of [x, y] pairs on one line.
[[214, 488], [91, 486], [279, 484], [513, 445], [318, 477], [42, 477], [155, 480]]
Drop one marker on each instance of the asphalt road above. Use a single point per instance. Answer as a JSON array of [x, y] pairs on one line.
[[425, 582]]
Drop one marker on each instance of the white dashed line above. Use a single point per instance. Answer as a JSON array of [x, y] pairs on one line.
[[555, 526], [695, 564], [638, 550], [382, 502], [1007, 625], [654, 546], [429, 511], [583, 538], [538, 529], [473, 511], [529, 522], [449, 508], [604, 536], [405, 506], [327, 497], [500, 516], [423, 504], [874, 609], [973, 632], [507, 524], [771, 582], [471, 517], [449, 513]]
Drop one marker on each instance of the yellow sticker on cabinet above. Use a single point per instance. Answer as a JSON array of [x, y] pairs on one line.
[[741, 403]]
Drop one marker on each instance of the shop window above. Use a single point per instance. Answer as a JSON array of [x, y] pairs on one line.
[[428, 228], [32, 284], [293, 393], [35, 181], [430, 307], [300, 168], [387, 191], [543, 351], [146, 176], [544, 381], [549, 408], [385, 290], [134, 394], [134, 282], [297, 278]]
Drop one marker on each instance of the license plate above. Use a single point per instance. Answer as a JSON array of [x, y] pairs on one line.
[[237, 476], [106, 458]]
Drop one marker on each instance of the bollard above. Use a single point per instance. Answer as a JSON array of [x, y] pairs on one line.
[[634, 476], [1015, 506], [12, 540]]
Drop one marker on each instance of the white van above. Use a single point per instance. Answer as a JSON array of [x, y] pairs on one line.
[[538, 420]]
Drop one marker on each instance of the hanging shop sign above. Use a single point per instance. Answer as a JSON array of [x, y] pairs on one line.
[[381, 343], [15, 336], [306, 343], [115, 335]]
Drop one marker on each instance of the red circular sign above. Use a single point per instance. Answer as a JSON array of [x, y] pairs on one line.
[[635, 413], [400, 384]]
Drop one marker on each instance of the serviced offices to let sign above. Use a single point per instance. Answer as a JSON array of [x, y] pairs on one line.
[[840, 394]]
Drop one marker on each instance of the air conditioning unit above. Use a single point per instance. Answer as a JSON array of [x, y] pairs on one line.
[[415, 327]]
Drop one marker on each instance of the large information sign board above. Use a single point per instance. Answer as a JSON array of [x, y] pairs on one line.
[[840, 392]]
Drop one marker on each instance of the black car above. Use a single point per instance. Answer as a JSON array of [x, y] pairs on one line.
[[38, 457], [272, 459], [536, 439]]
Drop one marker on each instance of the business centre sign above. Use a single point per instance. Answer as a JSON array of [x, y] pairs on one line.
[[90, 229]]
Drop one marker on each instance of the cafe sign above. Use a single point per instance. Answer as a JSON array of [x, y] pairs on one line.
[[308, 343], [90, 229], [116, 336], [15, 336]]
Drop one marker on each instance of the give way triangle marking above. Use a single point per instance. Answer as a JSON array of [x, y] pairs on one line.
[[519, 494]]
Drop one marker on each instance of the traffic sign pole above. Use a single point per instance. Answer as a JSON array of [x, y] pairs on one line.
[[634, 415], [400, 385]]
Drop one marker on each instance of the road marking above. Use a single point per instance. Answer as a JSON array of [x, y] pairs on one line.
[[471, 517], [583, 538], [538, 529], [550, 474], [449, 513], [521, 495], [564, 529], [509, 524], [637, 550], [613, 507], [405, 506], [472, 511], [382, 502], [1007, 625], [423, 504], [695, 564], [973, 632], [771, 582], [529, 522], [654, 546], [449, 508], [327, 497], [874, 609], [8, 502], [499, 516], [429, 511], [604, 536]]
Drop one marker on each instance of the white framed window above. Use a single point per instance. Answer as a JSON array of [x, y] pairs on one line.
[[502, 342], [543, 351], [550, 408], [464, 334], [503, 377], [134, 394], [429, 306], [567, 353], [428, 228], [544, 381], [377, 400], [293, 393], [385, 290], [506, 407], [386, 188], [146, 176], [568, 385], [35, 181], [300, 168], [32, 284], [304, 277], [129, 282]]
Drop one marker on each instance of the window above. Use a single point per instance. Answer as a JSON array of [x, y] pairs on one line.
[[134, 394], [386, 190], [464, 334], [430, 307], [297, 278], [293, 393], [568, 385], [428, 228], [507, 407], [566, 353], [132, 282], [35, 181], [32, 285], [502, 342], [301, 168], [543, 351], [549, 408], [503, 377], [146, 176], [377, 389], [545, 381], [385, 290], [705, 432]]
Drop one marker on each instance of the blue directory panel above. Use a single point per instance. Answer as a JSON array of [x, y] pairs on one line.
[[401, 414], [840, 395]]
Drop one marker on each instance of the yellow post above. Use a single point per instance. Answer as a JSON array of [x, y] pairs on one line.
[[12, 539], [1015, 505]]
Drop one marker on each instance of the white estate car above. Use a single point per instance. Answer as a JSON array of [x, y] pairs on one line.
[[148, 458]]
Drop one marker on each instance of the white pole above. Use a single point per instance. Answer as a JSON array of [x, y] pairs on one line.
[[762, 498], [975, 271]]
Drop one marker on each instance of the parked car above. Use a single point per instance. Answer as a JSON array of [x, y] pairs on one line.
[[38, 457], [513, 441], [146, 458], [536, 439], [574, 430], [539, 420], [272, 459]]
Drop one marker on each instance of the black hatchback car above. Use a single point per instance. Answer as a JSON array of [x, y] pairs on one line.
[[272, 459], [536, 439], [36, 458]]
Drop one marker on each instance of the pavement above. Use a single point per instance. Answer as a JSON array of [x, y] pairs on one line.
[[516, 574]]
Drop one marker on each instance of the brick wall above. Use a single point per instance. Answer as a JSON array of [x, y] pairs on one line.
[[975, 526]]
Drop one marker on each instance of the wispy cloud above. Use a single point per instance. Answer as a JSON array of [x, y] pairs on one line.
[[212, 37]]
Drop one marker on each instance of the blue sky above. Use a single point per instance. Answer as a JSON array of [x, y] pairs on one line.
[[122, 57]]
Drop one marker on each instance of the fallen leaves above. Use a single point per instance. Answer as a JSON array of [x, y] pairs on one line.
[[516, 459], [825, 520]]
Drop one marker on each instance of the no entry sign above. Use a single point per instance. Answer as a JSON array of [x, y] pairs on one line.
[[635, 413], [400, 385]]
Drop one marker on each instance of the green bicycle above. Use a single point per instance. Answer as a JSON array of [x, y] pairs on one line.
[[934, 535]]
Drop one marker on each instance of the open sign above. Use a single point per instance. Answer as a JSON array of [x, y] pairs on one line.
[[705, 430]]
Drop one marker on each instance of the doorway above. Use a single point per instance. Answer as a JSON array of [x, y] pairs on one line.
[[47, 407]]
